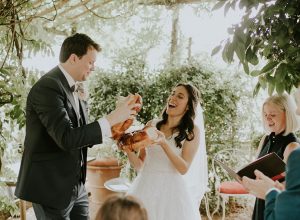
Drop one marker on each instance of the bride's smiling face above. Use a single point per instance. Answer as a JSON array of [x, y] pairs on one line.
[[177, 101]]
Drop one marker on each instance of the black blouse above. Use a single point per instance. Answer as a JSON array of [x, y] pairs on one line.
[[277, 144]]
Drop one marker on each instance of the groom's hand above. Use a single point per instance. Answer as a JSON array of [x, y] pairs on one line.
[[125, 110], [259, 186]]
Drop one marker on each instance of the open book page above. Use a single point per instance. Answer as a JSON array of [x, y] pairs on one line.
[[230, 171]]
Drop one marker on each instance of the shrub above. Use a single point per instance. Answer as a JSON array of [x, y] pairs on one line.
[[219, 99]]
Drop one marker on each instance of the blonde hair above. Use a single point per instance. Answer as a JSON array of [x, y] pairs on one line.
[[287, 104], [118, 207]]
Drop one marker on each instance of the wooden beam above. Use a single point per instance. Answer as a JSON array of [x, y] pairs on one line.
[[56, 31], [51, 9], [61, 10], [82, 3], [87, 10], [174, 2]]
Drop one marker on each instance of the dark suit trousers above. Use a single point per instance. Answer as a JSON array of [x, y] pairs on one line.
[[78, 208]]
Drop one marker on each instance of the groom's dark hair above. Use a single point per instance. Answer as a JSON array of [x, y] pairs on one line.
[[77, 44]]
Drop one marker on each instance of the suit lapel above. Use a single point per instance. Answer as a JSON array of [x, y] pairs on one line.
[[82, 106], [67, 89]]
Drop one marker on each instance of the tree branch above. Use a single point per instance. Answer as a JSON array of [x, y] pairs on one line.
[[60, 4], [173, 2], [87, 10], [82, 3]]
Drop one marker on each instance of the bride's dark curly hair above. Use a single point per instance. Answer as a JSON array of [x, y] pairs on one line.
[[186, 124]]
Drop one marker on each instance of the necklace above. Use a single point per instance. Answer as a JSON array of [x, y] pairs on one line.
[[169, 137]]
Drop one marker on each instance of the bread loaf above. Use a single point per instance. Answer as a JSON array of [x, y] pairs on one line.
[[138, 139], [119, 129]]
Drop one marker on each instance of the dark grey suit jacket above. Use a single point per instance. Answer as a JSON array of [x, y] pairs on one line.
[[54, 141], [286, 204]]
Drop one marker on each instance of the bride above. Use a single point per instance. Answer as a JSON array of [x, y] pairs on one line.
[[173, 170]]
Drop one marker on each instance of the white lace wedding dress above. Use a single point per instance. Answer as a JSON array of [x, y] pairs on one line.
[[162, 188]]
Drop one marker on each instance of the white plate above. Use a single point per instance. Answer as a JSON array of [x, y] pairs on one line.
[[117, 185]]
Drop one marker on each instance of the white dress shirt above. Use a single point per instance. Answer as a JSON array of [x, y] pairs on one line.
[[104, 124]]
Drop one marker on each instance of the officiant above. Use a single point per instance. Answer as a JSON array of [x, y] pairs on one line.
[[280, 122]]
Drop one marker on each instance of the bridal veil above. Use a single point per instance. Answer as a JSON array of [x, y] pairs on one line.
[[197, 176]]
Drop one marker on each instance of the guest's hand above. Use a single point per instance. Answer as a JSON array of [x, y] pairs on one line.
[[259, 186], [123, 111], [280, 186]]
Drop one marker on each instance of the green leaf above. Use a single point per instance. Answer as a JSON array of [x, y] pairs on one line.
[[251, 57], [256, 89], [230, 30], [240, 51], [219, 5], [216, 50], [280, 87], [271, 87], [232, 5], [266, 51], [225, 51], [242, 4], [4, 71], [255, 73], [226, 9], [229, 52], [246, 68], [269, 66], [263, 82], [240, 36], [280, 72]]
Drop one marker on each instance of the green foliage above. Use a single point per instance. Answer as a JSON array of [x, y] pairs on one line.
[[219, 101], [17, 30], [8, 206], [105, 87], [273, 35]]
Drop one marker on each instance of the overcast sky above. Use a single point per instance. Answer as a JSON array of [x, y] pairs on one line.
[[206, 30]]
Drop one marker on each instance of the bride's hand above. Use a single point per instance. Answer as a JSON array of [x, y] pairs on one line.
[[161, 139]]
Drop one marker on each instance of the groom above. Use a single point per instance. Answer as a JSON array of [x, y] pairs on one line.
[[53, 167]]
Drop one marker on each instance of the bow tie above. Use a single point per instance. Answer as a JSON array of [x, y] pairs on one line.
[[74, 88]]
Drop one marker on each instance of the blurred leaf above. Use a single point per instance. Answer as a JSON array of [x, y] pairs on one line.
[[226, 8], [280, 87], [225, 51], [280, 73], [272, 32], [256, 89], [4, 71], [216, 50], [246, 68], [269, 66], [240, 51], [255, 73], [219, 5], [229, 52], [271, 87], [262, 81], [251, 57]]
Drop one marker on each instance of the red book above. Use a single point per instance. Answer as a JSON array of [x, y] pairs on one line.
[[271, 165]]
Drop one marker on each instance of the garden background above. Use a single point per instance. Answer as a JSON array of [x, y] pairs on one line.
[[235, 51]]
